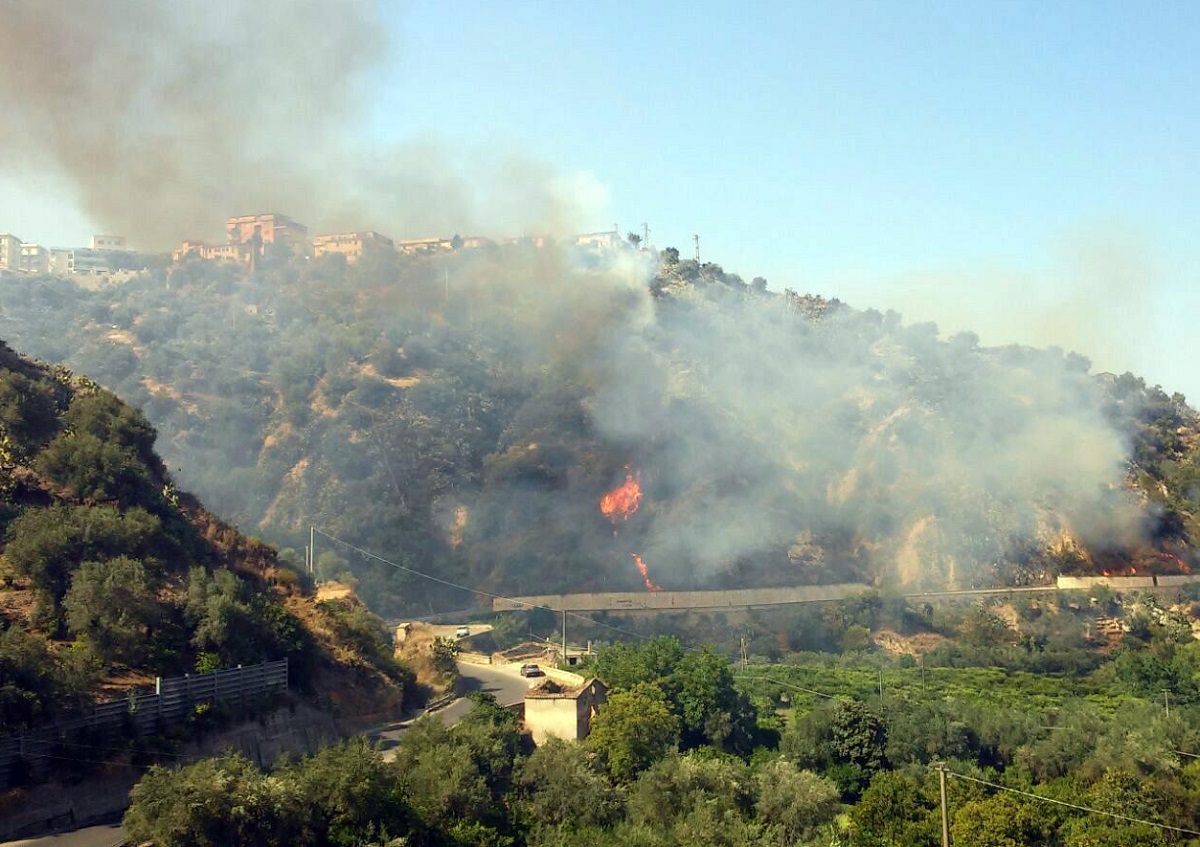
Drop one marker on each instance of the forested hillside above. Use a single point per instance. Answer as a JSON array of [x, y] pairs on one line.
[[464, 415], [109, 575]]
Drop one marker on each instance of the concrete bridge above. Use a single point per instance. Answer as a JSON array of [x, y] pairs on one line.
[[744, 598]]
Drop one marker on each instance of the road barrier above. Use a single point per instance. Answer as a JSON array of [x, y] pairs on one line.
[[173, 701]]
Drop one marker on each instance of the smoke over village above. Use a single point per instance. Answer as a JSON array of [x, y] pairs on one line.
[[557, 425], [474, 392]]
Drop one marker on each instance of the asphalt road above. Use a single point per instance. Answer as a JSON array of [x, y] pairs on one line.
[[504, 682], [92, 836]]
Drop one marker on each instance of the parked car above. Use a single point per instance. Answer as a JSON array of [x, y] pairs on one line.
[[462, 632], [531, 669]]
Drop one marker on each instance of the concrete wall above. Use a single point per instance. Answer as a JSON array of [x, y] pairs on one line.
[[1118, 583], [667, 600], [557, 716], [296, 729]]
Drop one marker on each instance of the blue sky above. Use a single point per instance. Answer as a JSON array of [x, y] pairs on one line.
[[1025, 170]]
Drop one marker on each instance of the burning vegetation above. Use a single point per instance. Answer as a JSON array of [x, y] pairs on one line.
[[619, 505], [622, 502]]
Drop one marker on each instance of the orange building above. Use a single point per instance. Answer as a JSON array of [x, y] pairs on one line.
[[270, 228], [352, 245]]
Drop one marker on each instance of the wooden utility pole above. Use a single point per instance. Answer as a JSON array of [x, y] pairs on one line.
[[945, 805]]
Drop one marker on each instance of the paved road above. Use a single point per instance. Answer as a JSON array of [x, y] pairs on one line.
[[503, 681], [93, 836]]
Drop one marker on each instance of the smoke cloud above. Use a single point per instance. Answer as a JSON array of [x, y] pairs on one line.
[[844, 445], [167, 118]]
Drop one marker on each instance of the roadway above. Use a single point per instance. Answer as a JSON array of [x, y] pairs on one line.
[[504, 682]]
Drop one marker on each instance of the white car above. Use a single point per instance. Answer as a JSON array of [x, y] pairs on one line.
[[462, 632]]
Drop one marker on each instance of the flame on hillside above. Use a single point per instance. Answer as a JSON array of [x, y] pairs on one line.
[[645, 572], [623, 500]]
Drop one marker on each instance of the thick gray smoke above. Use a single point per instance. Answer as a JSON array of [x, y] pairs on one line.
[[836, 444], [167, 118]]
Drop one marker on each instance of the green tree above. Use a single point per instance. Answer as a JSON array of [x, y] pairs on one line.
[[562, 788], [115, 607], [792, 802], [216, 803], [623, 665], [89, 468], [444, 784], [1000, 821], [27, 412], [702, 686], [894, 812], [35, 681], [48, 544], [355, 795], [633, 729]]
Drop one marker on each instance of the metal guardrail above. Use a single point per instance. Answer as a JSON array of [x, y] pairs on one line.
[[139, 714]]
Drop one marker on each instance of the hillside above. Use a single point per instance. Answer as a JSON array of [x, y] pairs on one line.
[[465, 415], [110, 576]]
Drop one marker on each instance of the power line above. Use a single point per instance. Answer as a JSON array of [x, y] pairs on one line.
[[794, 687], [1075, 806], [91, 761], [131, 750], [450, 584]]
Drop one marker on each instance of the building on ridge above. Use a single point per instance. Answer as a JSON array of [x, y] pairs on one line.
[[10, 252], [108, 242], [35, 259], [424, 246], [268, 228], [352, 245], [606, 240]]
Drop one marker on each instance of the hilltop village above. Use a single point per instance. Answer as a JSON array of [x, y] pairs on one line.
[[250, 237]]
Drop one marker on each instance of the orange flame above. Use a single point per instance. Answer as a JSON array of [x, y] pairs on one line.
[[645, 572], [1183, 567], [623, 500]]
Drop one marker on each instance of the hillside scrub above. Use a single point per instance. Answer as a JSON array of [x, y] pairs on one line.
[[110, 572], [463, 415]]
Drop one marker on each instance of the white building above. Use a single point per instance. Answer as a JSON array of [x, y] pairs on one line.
[[10, 252], [108, 242], [35, 259]]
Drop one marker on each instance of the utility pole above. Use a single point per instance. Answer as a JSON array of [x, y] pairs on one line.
[[1166, 702], [696, 238], [945, 805], [312, 549], [564, 653], [646, 234]]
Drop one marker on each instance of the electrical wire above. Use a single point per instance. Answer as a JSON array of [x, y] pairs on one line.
[[133, 750], [1075, 806], [575, 615], [91, 761], [450, 584], [792, 686]]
